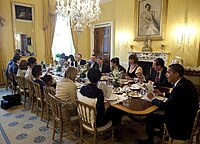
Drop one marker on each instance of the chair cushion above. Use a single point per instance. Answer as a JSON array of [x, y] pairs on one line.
[[100, 129]]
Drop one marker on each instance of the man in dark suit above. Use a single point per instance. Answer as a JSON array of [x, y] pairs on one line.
[[103, 67], [179, 110], [79, 61], [92, 63], [158, 72]]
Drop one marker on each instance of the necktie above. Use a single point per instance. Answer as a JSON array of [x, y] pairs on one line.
[[157, 77]]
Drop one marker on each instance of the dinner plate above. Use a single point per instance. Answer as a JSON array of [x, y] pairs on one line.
[[113, 97], [135, 95]]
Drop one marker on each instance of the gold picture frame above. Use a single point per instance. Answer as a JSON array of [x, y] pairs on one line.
[[150, 19]]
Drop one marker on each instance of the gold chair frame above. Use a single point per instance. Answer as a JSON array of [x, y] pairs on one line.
[[194, 135], [61, 115], [39, 99], [85, 112]]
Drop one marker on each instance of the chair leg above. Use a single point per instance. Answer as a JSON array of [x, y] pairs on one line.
[[54, 128], [47, 115], [42, 109], [95, 138], [81, 133], [37, 104], [24, 99], [32, 104], [112, 135], [197, 137], [61, 131]]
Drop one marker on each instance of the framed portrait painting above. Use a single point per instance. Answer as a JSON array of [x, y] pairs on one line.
[[150, 19], [23, 12]]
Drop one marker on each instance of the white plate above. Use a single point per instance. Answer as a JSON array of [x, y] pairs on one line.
[[135, 95], [113, 97]]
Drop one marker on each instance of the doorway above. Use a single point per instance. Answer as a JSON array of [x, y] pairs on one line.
[[102, 40]]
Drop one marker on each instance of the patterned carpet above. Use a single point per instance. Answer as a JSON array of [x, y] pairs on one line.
[[20, 126]]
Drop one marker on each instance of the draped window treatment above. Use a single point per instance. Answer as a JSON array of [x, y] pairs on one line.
[[49, 21], [1, 58], [63, 41]]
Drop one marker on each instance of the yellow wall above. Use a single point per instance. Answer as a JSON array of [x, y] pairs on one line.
[[121, 12], [7, 31]]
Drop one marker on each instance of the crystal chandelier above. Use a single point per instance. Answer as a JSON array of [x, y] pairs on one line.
[[81, 12]]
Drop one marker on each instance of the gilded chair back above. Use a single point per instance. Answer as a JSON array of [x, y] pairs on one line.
[[37, 91], [87, 115], [5, 77], [196, 129], [29, 85], [39, 99]]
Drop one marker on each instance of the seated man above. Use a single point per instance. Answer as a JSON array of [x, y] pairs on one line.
[[179, 110], [79, 61], [14, 67], [158, 73], [92, 63], [103, 67]]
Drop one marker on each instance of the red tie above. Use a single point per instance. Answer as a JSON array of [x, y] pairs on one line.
[[157, 77]]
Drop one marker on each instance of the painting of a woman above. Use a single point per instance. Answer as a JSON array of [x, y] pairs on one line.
[[150, 19], [149, 26]]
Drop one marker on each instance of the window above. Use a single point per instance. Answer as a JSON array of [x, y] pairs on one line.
[[62, 41]]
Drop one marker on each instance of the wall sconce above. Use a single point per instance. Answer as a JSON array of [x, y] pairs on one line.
[[123, 38], [184, 35]]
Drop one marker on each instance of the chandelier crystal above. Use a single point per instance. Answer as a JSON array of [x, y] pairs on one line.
[[81, 12]]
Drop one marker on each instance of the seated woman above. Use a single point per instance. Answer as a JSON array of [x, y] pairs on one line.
[[66, 89], [116, 67], [37, 73], [133, 68], [22, 68], [104, 113]]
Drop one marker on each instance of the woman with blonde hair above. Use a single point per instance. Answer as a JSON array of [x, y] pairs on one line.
[[66, 89]]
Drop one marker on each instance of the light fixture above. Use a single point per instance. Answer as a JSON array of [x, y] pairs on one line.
[[81, 12]]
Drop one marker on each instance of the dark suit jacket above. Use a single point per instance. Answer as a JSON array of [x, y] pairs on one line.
[[180, 109], [83, 62], [95, 65], [163, 79], [105, 68], [14, 68]]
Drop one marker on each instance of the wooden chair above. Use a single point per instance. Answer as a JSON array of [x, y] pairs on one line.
[[40, 101], [87, 118], [196, 129], [13, 82], [29, 85], [5, 78], [61, 115], [194, 139], [22, 88], [52, 91]]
